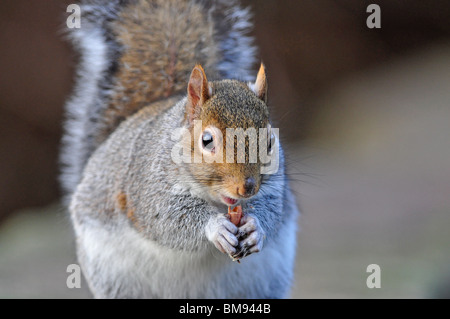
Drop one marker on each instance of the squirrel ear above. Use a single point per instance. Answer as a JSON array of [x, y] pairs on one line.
[[260, 86], [197, 92]]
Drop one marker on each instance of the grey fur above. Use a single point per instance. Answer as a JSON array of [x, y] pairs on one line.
[[98, 54]]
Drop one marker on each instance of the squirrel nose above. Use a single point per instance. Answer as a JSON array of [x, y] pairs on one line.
[[248, 188]]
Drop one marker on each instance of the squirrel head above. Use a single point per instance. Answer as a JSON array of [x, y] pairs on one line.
[[225, 118]]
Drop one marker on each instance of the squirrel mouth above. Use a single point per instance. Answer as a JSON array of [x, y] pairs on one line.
[[229, 201]]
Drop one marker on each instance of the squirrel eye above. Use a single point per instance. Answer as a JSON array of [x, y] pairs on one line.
[[208, 142]]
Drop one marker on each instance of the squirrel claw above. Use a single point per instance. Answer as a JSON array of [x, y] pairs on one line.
[[250, 236], [222, 233]]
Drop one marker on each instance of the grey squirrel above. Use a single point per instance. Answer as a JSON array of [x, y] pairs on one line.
[[145, 225]]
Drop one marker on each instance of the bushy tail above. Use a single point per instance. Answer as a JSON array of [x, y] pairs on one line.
[[133, 52]]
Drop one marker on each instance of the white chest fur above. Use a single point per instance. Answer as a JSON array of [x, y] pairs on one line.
[[127, 265]]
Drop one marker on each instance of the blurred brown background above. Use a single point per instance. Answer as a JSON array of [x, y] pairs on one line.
[[364, 113]]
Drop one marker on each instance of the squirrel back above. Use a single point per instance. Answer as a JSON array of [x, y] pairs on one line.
[[135, 52]]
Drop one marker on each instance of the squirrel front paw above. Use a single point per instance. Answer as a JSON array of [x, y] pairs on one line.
[[237, 242], [250, 236], [222, 233]]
